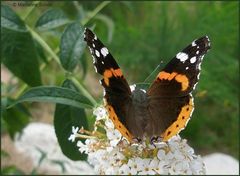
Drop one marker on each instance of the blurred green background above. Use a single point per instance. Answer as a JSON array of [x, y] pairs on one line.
[[142, 34]]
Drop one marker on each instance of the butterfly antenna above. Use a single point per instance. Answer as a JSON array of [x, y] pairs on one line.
[[153, 72]]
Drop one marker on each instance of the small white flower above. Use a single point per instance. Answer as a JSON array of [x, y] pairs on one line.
[[197, 166], [100, 113], [110, 171], [146, 167], [82, 147], [114, 136], [74, 133], [124, 169], [161, 154], [133, 166], [109, 124]]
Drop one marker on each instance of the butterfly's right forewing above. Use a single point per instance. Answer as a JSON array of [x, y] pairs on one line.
[[117, 92]]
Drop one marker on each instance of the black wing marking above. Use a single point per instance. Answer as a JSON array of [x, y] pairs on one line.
[[181, 74], [117, 90]]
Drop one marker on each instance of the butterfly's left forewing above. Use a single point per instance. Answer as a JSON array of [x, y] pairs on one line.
[[170, 100], [116, 88], [180, 76]]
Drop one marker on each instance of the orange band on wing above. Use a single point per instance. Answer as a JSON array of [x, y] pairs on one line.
[[110, 73], [122, 129], [183, 80], [181, 121], [106, 75], [117, 72], [165, 75], [178, 77]]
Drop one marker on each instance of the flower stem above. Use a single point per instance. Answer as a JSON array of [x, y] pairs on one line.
[[95, 11], [30, 9], [85, 136], [44, 44]]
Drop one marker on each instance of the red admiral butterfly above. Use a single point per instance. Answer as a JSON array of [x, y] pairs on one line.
[[165, 108]]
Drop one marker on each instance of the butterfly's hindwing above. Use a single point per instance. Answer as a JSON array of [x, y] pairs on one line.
[[169, 116]]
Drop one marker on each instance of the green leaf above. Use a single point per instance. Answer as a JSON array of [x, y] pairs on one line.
[[40, 52], [20, 56], [51, 19], [15, 118], [18, 52], [10, 20], [65, 118], [55, 94], [72, 46]]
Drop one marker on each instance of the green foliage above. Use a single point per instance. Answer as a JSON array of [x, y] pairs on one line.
[[18, 48], [54, 94], [72, 46], [14, 119], [51, 19], [10, 20], [72, 98], [65, 117]]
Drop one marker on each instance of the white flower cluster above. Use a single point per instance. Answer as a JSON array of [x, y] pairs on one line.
[[110, 153]]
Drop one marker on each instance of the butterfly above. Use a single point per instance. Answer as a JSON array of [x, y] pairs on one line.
[[163, 110]]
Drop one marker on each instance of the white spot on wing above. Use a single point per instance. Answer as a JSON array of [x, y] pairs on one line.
[[93, 45], [104, 51], [208, 40], [187, 68], [102, 62], [95, 69], [143, 90], [193, 43], [192, 98], [91, 50], [199, 66], [197, 52], [194, 86], [198, 76], [97, 53], [95, 37], [132, 87], [193, 59], [182, 56], [94, 59], [191, 112]]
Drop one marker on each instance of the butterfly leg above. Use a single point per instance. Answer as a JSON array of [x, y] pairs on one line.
[[136, 140], [155, 139]]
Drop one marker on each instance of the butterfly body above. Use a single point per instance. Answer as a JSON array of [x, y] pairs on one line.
[[165, 108]]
